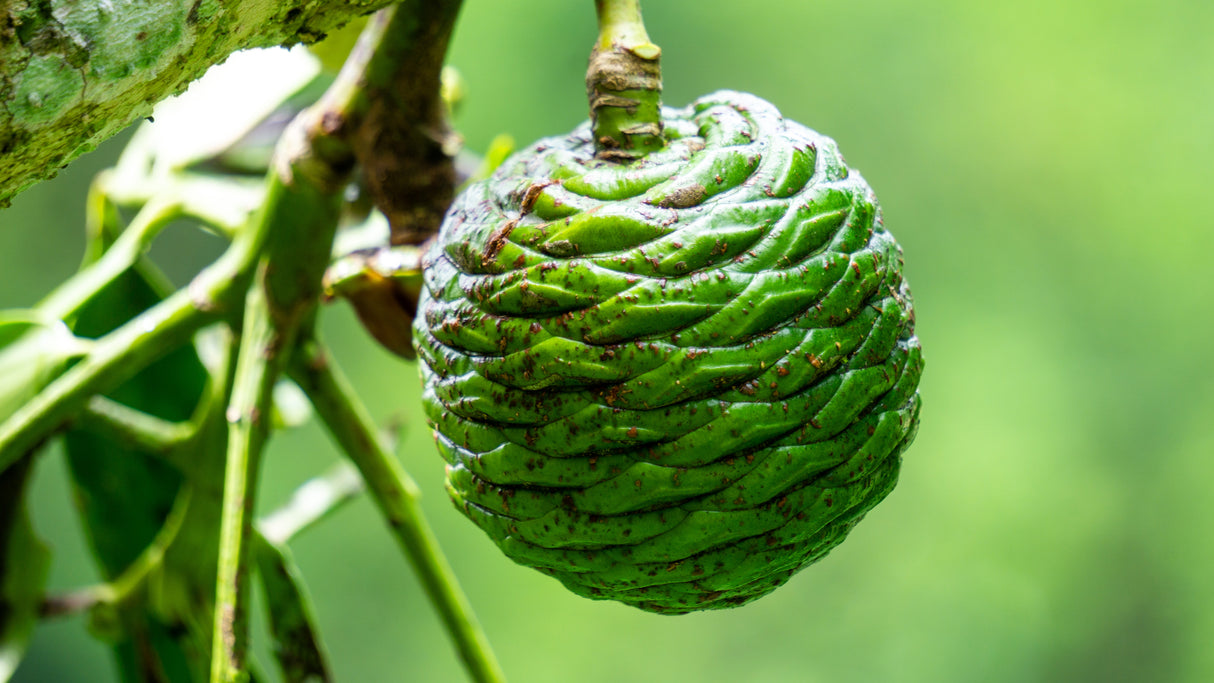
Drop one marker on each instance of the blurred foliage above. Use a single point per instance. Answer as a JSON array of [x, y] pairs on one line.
[[1045, 166]]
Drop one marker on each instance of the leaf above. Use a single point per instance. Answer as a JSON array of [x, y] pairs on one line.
[[292, 621], [24, 563], [124, 496], [127, 495]]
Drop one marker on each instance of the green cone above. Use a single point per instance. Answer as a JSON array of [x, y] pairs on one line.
[[673, 382]]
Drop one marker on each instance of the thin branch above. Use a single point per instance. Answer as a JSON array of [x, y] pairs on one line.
[[396, 495], [312, 163], [299, 219], [403, 139], [624, 84], [113, 359], [133, 578], [292, 620], [121, 424], [102, 221], [257, 368], [74, 293], [314, 500], [214, 294], [311, 167], [74, 602]]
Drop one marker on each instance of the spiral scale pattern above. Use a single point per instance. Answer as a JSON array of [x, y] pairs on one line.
[[672, 383]]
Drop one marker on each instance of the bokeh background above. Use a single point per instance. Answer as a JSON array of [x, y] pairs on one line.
[[1046, 165]]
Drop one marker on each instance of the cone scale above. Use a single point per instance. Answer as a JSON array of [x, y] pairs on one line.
[[676, 381]]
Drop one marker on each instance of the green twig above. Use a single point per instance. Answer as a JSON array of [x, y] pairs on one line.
[[112, 359], [396, 495], [292, 620], [299, 220], [624, 84], [104, 227], [121, 424], [133, 578], [248, 416], [121, 256], [312, 163], [402, 138], [102, 221], [214, 294]]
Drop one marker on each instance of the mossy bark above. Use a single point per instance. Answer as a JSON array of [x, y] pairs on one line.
[[75, 72]]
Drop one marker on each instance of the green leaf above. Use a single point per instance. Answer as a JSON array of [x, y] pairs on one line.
[[124, 495], [24, 562], [292, 622]]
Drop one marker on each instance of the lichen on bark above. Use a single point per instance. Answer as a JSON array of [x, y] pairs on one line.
[[75, 72]]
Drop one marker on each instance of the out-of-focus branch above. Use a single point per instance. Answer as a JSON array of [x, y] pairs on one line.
[[314, 500], [403, 142]]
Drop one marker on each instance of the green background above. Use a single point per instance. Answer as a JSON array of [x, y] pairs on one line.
[[1045, 165]]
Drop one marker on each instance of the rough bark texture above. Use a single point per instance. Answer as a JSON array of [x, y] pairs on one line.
[[75, 72]]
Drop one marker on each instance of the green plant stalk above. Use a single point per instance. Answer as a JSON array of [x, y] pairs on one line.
[[122, 424], [402, 139], [257, 369], [215, 294], [102, 221], [104, 227], [312, 501], [287, 246], [300, 217], [292, 620], [112, 250], [216, 291], [133, 578], [396, 495], [624, 84]]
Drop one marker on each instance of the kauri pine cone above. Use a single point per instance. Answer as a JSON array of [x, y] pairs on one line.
[[673, 382]]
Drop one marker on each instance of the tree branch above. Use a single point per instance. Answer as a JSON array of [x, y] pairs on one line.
[[73, 73], [299, 219], [403, 142], [122, 424]]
